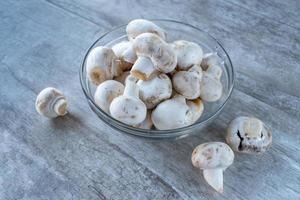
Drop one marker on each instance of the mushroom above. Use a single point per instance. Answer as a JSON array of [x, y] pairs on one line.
[[172, 113], [188, 54], [143, 68], [155, 90], [139, 26], [187, 83], [125, 53], [196, 108], [160, 53], [122, 78], [213, 158], [147, 123], [248, 135], [211, 88], [106, 92], [51, 103], [101, 65], [128, 108], [209, 59]]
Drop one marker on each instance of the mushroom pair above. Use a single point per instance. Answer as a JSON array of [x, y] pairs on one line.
[[121, 102], [244, 135], [176, 113]]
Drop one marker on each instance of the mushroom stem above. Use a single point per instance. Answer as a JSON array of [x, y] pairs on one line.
[[131, 88], [143, 68], [60, 107], [214, 177]]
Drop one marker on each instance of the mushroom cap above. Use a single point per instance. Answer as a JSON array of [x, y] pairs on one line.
[[188, 54], [187, 83], [127, 109], [248, 135], [106, 92], [196, 108], [139, 26], [211, 88], [155, 90], [161, 54], [51, 103], [209, 59], [171, 114], [101, 65], [212, 155]]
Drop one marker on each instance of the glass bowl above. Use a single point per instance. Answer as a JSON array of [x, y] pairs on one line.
[[175, 31]]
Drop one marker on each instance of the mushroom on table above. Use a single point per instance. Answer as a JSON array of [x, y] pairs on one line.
[[248, 135], [51, 103], [213, 158]]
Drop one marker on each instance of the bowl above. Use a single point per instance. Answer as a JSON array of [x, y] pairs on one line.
[[175, 31]]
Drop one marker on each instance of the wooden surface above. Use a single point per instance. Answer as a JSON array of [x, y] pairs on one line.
[[79, 157]]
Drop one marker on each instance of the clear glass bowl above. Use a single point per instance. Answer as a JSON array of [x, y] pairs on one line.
[[175, 31]]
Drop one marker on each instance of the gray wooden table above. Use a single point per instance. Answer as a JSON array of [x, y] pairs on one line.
[[79, 157]]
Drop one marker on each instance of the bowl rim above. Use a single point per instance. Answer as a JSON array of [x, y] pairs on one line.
[[154, 133]]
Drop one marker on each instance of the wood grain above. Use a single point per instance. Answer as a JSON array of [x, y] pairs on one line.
[[79, 157]]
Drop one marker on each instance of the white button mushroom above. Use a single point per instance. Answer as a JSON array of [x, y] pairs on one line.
[[128, 108], [106, 92], [125, 53], [161, 54], [147, 123], [155, 90], [248, 135], [188, 54], [211, 88], [51, 103], [172, 113], [101, 65], [187, 83], [139, 26], [213, 158]]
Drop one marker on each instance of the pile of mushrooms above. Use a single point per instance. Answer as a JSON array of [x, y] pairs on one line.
[[148, 80]]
